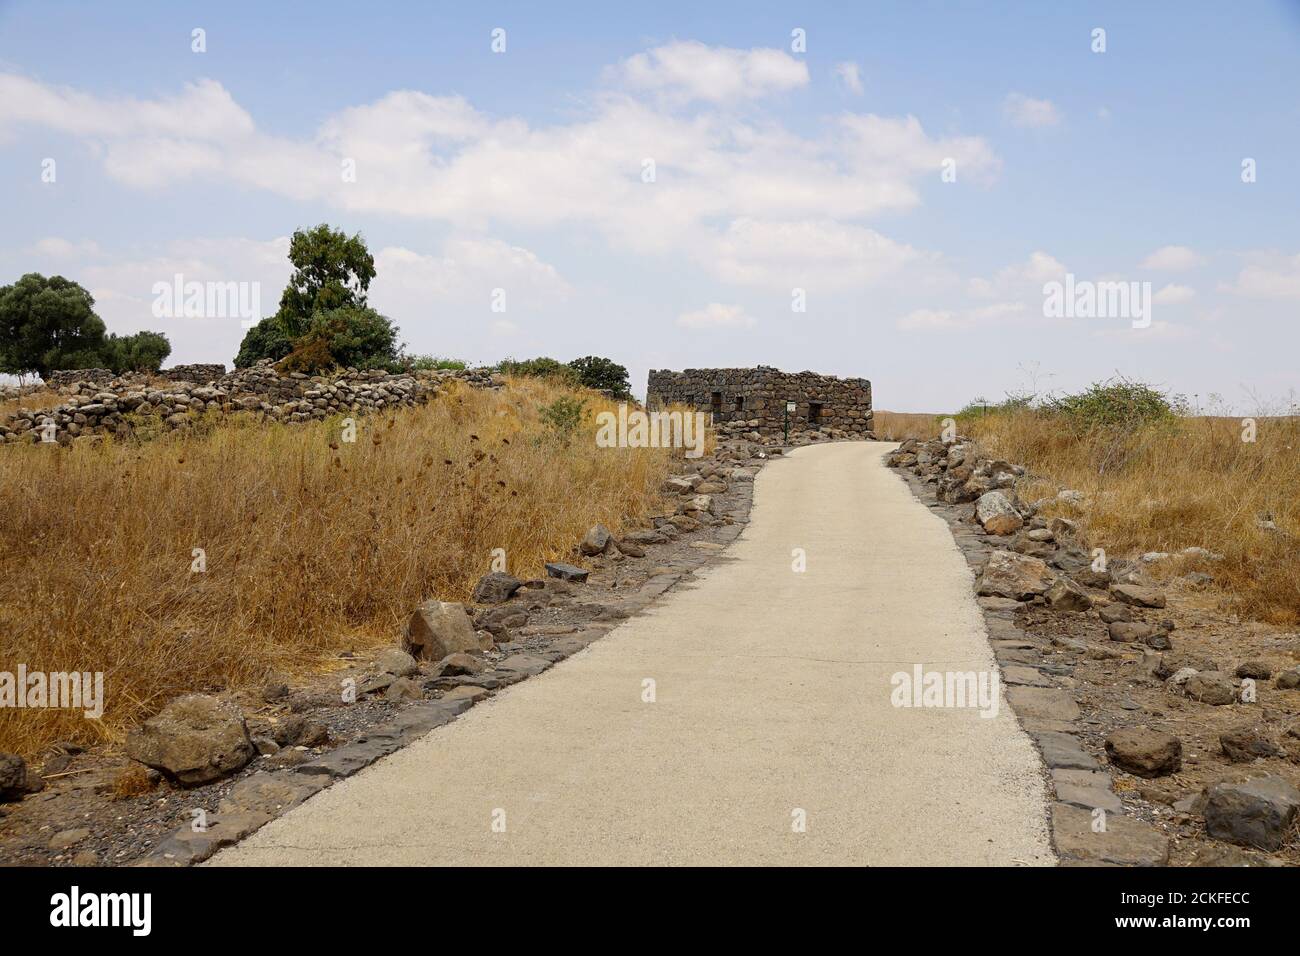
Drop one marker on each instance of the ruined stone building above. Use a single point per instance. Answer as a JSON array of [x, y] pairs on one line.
[[760, 394]]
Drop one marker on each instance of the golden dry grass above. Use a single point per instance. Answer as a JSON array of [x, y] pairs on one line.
[[45, 398], [1193, 482], [897, 426], [312, 546]]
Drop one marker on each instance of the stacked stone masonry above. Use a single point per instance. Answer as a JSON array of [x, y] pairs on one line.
[[758, 396], [94, 406]]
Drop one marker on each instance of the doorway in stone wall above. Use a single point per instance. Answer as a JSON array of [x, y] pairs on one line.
[[814, 414]]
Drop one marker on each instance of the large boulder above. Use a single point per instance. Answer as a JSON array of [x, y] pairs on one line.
[[13, 776], [1015, 576], [1256, 813], [194, 740], [496, 588], [1145, 752], [438, 628], [997, 514]]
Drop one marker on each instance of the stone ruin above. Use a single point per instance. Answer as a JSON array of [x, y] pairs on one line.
[[752, 402], [94, 406]]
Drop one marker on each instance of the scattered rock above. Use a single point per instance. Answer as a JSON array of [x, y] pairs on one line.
[[1137, 595], [465, 692], [566, 572], [404, 689], [1128, 632], [13, 776], [1065, 595], [1257, 670], [438, 628], [1016, 576], [597, 541], [457, 664], [395, 661], [193, 740], [1211, 687], [1112, 613], [496, 588], [1247, 744], [996, 514], [1288, 680], [1145, 752], [1256, 813], [65, 839]]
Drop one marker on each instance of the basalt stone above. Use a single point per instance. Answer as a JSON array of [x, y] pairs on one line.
[[1145, 752], [496, 588], [1256, 813], [193, 740], [566, 572]]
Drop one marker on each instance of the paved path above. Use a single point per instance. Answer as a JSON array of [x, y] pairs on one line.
[[773, 695]]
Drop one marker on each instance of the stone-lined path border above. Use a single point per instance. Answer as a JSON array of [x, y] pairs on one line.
[[1087, 819]]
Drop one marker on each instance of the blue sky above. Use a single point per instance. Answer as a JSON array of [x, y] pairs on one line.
[[776, 169]]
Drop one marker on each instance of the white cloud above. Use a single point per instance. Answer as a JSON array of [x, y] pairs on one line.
[[55, 247], [1022, 278], [437, 158], [850, 77], [815, 254], [1173, 259], [1174, 294], [1268, 276], [715, 315], [690, 70], [996, 314], [1023, 110]]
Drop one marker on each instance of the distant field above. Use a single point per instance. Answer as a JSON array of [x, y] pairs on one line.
[[897, 426], [312, 546]]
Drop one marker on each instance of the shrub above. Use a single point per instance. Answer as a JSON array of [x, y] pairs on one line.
[[602, 374], [1116, 404], [562, 417], [542, 367], [426, 363]]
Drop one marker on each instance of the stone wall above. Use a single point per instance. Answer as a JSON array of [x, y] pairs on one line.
[[122, 406], [756, 398], [203, 374]]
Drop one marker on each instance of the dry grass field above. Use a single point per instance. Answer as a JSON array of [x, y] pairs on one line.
[[1188, 481], [312, 545]]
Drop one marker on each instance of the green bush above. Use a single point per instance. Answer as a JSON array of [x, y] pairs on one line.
[[1117, 404], [347, 337], [562, 417], [428, 363], [602, 374], [542, 367]]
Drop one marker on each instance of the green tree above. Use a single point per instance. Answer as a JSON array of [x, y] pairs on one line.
[[350, 336], [331, 270], [142, 352], [602, 374], [47, 324]]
